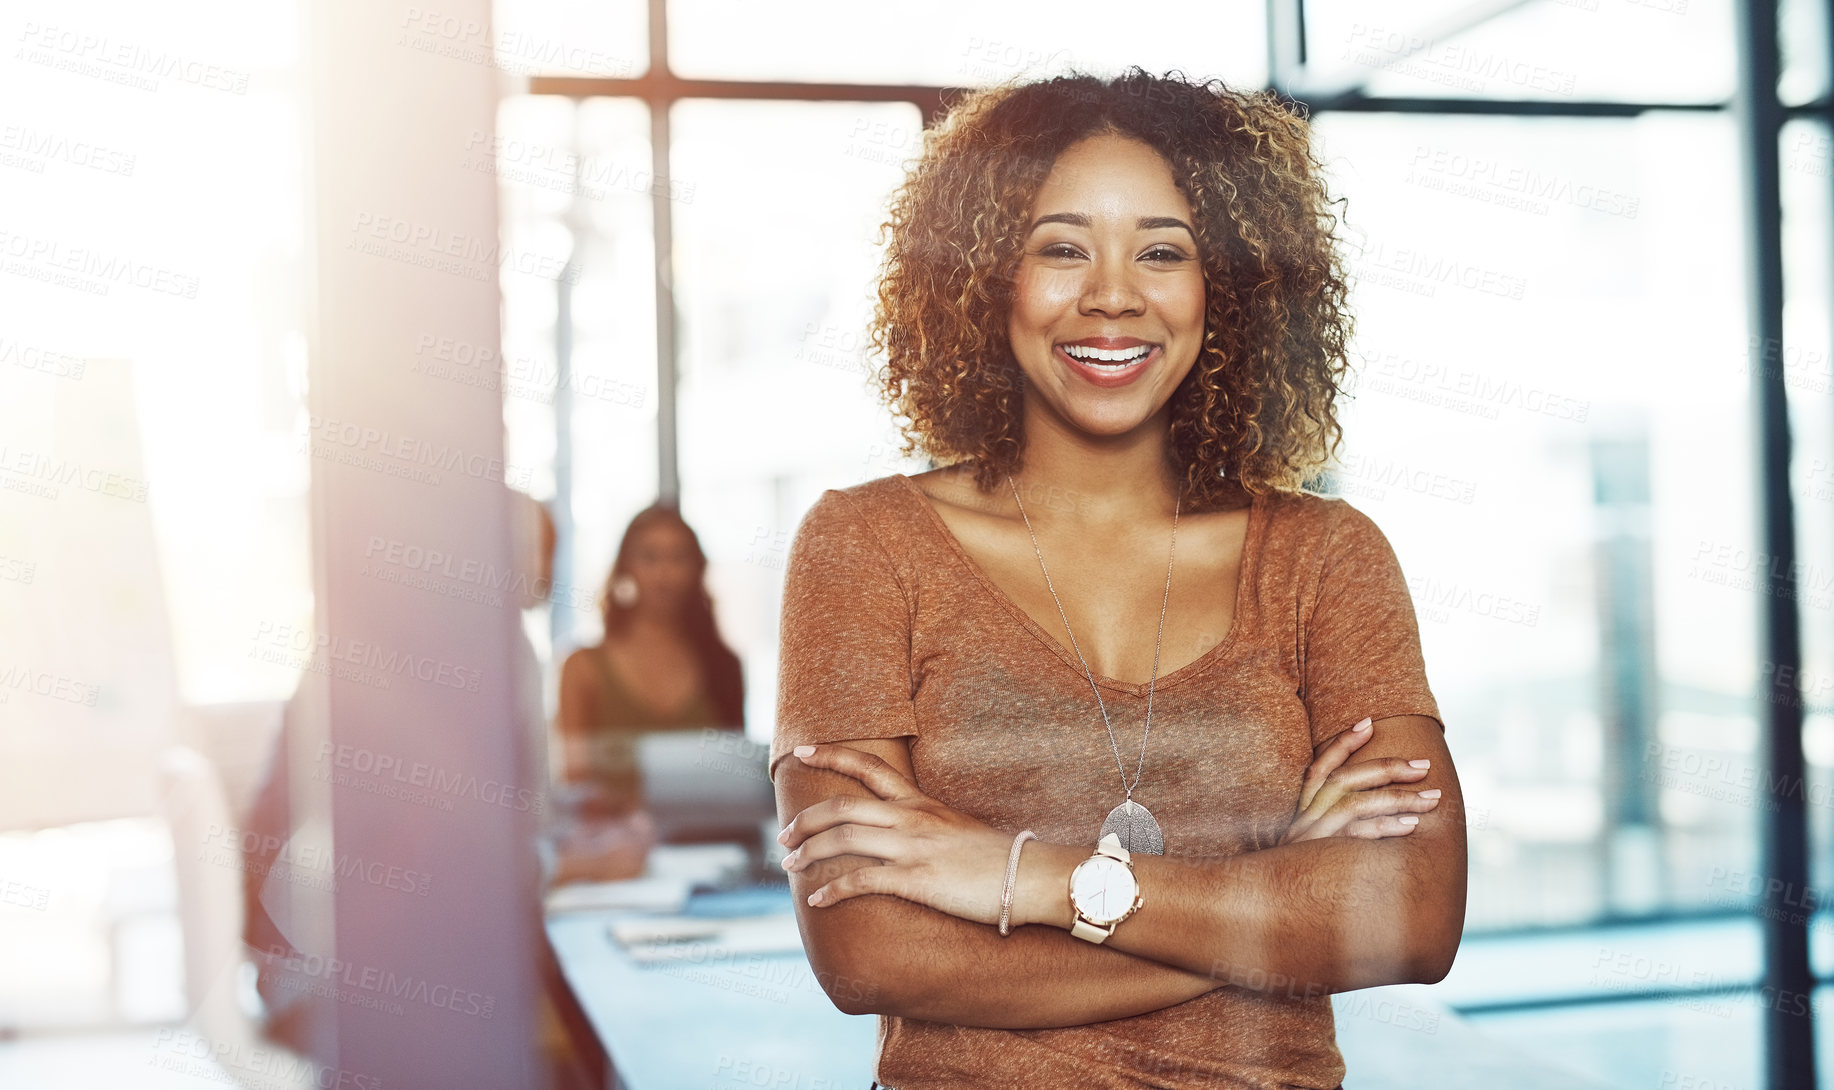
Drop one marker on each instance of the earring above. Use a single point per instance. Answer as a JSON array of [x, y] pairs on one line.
[[624, 591]]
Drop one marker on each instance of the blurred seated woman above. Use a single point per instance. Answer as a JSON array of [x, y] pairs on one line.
[[661, 666]]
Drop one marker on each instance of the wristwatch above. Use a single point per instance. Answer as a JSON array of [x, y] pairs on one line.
[[1103, 891]]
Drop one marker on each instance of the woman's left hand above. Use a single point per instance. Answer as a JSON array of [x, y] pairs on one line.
[[932, 854]]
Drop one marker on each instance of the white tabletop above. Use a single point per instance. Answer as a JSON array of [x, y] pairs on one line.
[[711, 1019]]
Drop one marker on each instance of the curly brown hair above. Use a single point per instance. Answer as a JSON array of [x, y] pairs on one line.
[[1257, 411]]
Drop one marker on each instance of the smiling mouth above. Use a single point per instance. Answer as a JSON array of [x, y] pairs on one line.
[[1108, 359]]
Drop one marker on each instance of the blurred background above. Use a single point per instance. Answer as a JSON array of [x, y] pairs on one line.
[[342, 343]]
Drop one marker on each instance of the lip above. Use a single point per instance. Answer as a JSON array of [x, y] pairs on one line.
[[1108, 380]]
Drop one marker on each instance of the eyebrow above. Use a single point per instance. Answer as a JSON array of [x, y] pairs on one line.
[[1144, 223]]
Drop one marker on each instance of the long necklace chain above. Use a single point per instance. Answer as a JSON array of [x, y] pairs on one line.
[[1140, 768]]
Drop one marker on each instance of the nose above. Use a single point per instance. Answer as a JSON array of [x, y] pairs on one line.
[[1111, 290]]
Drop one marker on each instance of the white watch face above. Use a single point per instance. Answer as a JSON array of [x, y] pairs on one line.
[[1103, 889]]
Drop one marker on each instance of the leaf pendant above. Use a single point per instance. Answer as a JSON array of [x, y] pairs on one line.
[[1135, 826]]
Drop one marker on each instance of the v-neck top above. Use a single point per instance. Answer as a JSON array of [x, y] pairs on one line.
[[1026, 620], [890, 629]]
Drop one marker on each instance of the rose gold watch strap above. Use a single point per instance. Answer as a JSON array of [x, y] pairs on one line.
[[1110, 846], [1083, 929]]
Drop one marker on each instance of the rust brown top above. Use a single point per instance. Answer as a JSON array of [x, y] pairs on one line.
[[889, 628]]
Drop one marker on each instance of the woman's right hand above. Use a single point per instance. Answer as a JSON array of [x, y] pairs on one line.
[[1369, 800]]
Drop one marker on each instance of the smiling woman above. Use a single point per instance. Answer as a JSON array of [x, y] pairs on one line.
[[1113, 307]]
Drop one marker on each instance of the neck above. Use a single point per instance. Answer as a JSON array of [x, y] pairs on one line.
[[649, 624], [1097, 480]]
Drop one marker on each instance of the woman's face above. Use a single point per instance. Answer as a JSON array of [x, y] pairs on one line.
[[662, 562], [1108, 307]]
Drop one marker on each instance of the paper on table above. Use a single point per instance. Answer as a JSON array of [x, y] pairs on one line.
[[713, 864], [666, 929], [652, 929], [673, 938], [654, 893]]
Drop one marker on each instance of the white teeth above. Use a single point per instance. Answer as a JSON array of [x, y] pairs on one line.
[[1122, 357]]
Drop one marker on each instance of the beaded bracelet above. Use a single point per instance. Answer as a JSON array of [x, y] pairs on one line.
[[1012, 872]]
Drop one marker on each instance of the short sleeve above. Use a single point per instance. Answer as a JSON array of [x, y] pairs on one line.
[[1362, 642], [844, 648]]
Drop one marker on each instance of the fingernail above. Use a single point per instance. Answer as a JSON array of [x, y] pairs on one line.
[[1433, 794], [1421, 763], [815, 898], [1409, 819], [1362, 724], [783, 835], [803, 751]]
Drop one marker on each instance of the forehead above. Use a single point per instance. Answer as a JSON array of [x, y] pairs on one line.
[[1112, 174]]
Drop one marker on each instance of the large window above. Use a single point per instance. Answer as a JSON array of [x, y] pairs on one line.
[[154, 278], [774, 262], [958, 43], [579, 352], [1547, 326], [1657, 51]]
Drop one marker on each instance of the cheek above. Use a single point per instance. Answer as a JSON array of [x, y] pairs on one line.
[[1040, 295], [1182, 304]]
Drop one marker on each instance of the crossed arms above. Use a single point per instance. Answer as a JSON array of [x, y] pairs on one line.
[[1306, 918]]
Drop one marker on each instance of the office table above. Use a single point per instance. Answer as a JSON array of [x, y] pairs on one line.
[[722, 1021]]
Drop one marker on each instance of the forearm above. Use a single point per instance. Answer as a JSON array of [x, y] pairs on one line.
[[1304, 919], [911, 961]]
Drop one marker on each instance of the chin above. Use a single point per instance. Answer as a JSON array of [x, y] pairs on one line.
[[1109, 424]]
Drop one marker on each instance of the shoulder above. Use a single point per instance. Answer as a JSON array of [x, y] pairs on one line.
[[1321, 517], [948, 484], [864, 527], [864, 498], [876, 510], [1302, 518], [582, 660], [1316, 533]]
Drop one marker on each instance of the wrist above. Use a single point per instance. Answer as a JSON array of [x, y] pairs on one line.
[[1041, 893]]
